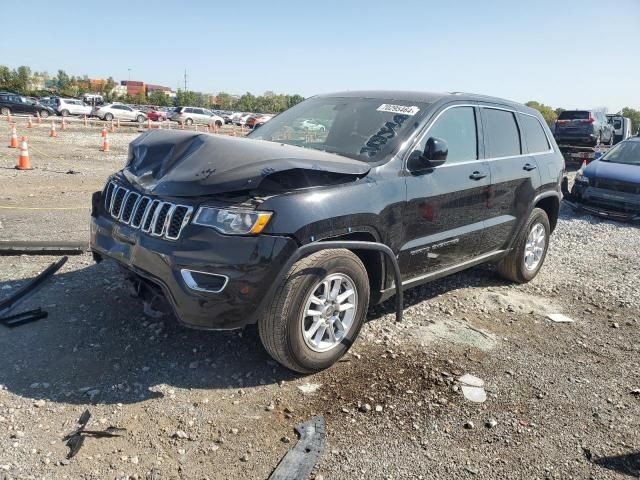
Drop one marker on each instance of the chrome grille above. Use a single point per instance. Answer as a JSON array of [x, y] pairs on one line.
[[159, 218]]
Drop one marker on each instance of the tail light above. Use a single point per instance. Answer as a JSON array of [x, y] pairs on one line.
[[590, 120]]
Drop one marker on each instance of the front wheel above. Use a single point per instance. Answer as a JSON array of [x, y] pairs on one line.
[[317, 311], [44, 114], [108, 117], [5, 111], [188, 121], [524, 261], [140, 119], [64, 113]]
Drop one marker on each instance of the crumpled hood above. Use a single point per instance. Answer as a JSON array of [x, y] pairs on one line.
[[179, 163], [613, 171]]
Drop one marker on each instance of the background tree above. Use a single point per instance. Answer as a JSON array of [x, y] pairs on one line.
[[634, 115], [548, 113], [159, 98]]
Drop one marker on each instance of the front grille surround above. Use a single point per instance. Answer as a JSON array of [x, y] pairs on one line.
[[152, 216]]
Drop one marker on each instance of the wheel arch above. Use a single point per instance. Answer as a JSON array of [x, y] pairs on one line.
[[551, 205]]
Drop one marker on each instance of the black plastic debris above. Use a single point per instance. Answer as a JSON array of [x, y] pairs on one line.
[[11, 302], [298, 463], [75, 440]]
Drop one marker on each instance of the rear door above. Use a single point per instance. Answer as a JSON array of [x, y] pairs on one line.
[[514, 171], [446, 205]]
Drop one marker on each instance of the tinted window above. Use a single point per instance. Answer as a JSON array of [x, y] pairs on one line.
[[534, 134], [188, 110], [457, 126], [501, 132], [574, 115]]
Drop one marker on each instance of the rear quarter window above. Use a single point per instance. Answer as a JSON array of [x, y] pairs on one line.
[[501, 133], [534, 135]]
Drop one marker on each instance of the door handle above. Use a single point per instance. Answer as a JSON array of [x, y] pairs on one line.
[[528, 167], [477, 176]]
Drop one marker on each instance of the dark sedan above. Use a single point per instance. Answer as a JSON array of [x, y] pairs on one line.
[[11, 103], [610, 186]]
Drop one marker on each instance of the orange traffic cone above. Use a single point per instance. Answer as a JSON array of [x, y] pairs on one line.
[[39, 118], [182, 126], [112, 129], [148, 123], [85, 121], [13, 141], [118, 123], [9, 117], [23, 161], [63, 125], [29, 122], [105, 143], [104, 132], [52, 131]]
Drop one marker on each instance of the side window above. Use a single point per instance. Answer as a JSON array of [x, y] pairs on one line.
[[501, 133], [457, 126], [534, 135], [188, 110]]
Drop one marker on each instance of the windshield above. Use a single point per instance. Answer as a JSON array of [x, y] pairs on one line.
[[573, 115], [625, 152], [362, 128]]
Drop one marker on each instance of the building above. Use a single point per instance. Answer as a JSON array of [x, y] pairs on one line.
[[134, 87], [159, 88]]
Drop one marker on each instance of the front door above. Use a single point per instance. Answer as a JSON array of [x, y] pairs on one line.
[[446, 205]]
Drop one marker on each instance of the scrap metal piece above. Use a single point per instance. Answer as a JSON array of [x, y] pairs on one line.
[[28, 289], [24, 317], [75, 439], [42, 248], [298, 463]]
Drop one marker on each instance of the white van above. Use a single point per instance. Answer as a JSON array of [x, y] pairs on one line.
[[621, 127]]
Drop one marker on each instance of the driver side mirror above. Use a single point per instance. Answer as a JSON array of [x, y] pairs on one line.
[[435, 154]]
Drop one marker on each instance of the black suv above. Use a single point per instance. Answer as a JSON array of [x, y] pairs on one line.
[[14, 103], [583, 127], [300, 229]]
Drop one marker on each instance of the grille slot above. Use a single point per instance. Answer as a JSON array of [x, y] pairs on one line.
[[129, 204], [139, 211], [160, 219]]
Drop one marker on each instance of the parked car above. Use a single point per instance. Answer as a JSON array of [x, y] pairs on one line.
[[621, 127], [583, 127], [301, 234], [118, 111], [71, 106], [258, 119], [312, 125], [191, 115], [610, 186], [11, 103], [240, 119], [156, 115]]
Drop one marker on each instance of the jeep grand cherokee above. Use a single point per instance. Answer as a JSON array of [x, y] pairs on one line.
[[299, 230]]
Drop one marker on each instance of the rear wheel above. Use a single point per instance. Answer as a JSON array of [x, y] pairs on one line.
[[108, 117], [64, 113], [140, 119], [44, 113], [188, 121], [523, 263], [218, 123], [317, 311], [5, 111]]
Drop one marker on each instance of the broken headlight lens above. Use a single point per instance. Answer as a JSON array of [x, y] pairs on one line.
[[582, 178], [232, 221]]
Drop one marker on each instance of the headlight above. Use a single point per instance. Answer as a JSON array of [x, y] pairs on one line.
[[232, 222], [582, 178]]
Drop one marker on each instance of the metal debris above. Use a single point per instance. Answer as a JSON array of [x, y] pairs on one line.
[[75, 440], [298, 463], [559, 318]]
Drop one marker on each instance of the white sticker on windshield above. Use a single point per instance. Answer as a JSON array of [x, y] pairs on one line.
[[386, 107]]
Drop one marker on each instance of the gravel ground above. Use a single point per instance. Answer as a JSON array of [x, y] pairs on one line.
[[560, 396]]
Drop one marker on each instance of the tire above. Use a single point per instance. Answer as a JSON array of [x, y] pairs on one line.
[[282, 327], [514, 266], [218, 123], [188, 121], [140, 119], [108, 117], [5, 111], [44, 114], [64, 113]]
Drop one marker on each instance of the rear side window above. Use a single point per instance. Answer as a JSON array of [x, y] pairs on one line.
[[457, 126], [574, 115], [534, 135], [501, 133]]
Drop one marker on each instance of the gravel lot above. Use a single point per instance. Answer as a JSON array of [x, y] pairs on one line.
[[560, 396]]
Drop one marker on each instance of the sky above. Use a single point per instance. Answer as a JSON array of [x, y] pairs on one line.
[[564, 53]]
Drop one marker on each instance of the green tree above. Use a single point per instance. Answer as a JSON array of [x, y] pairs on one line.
[[548, 113], [159, 98], [23, 78], [185, 98]]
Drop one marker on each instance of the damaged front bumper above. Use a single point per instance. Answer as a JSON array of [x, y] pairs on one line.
[[604, 203], [212, 281]]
